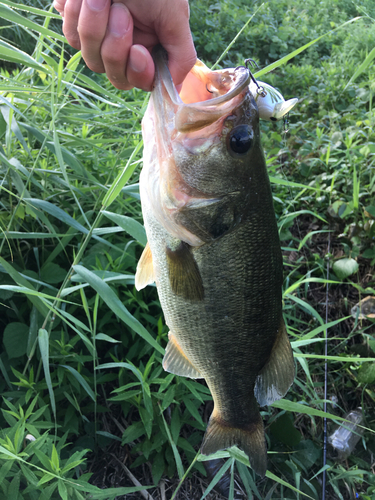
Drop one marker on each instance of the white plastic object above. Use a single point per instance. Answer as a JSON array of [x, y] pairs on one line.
[[271, 104], [345, 437]]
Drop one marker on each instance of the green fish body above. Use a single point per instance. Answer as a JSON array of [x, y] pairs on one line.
[[213, 250]]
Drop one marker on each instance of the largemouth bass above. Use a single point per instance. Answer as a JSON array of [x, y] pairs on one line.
[[213, 249]]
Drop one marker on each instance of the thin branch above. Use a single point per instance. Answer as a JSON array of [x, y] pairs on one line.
[[146, 495]]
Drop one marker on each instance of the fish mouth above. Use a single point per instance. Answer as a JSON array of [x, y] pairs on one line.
[[216, 89]]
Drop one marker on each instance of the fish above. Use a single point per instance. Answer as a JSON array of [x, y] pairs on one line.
[[213, 249]]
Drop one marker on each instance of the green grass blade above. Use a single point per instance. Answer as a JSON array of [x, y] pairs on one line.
[[306, 306], [231, 485], [284, 182], [114, 303], [309, 235], [12, 16], [23, 282], [342, 359], [179, 466], [122, 178], [44, 352], [220, 473], [17, 56], [63, 216], [272, 476], [285, 404], [121, 364], [15, 235], [247, 480], [81, 381], [131, 226], [32, 10], [5, 373], [323, 328], [68, 156], [308, 280], [362, 67], [236, 37], [113, 99], [285, 59]]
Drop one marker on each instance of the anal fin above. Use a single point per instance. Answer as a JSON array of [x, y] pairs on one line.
[[145, 270], [175, 360], [278, 373], [184, 275]]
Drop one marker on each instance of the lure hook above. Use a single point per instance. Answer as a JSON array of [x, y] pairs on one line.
[[286, 123], [250, 62]]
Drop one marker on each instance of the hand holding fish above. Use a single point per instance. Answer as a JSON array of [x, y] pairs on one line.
[[116, 37]]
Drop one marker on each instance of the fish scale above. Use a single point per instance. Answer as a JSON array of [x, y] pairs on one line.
[[214, 253]]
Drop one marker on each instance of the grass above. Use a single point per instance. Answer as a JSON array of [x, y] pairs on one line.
[[82, 349]]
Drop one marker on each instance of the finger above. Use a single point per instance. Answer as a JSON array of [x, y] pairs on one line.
[[71, 11], [59, 6], [116, 45], [140, 70], [176, 38], [92, 26], [181, 60]]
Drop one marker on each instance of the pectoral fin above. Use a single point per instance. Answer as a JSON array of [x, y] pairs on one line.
[[175, 360], [145, 270], [277, 375], [184, 275]]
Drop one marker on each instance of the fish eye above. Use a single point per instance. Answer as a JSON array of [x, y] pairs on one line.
[[240, 139]]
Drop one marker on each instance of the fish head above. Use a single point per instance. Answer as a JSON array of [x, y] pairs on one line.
[[201, 146]]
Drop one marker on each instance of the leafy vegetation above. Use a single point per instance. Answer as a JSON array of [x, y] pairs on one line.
[[87, 411]]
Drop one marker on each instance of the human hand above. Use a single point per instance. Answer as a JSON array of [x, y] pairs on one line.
[[117, 37]]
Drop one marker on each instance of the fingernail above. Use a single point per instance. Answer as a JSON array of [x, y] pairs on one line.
[[119, 20], [97, 4], [138, 60]]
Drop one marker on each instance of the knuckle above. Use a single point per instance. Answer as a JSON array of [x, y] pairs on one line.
[[72, 37], [112, 59], [72, 8], [86, 33], [59, 5]]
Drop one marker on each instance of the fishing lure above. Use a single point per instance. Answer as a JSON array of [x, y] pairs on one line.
[[271, 104]]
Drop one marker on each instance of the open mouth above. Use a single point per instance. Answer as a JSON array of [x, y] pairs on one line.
[[204, 93]]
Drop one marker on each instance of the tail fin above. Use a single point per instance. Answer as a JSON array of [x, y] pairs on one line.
[[221, 435]]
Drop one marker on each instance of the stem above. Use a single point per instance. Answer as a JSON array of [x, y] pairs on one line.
[[185, 475], [325, 380], [75, 261]]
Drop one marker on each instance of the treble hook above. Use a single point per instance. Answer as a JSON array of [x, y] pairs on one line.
[[250, 62], [253, 63], [286, 123]]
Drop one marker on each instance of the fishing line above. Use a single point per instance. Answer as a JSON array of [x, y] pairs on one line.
[[325, 379]]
